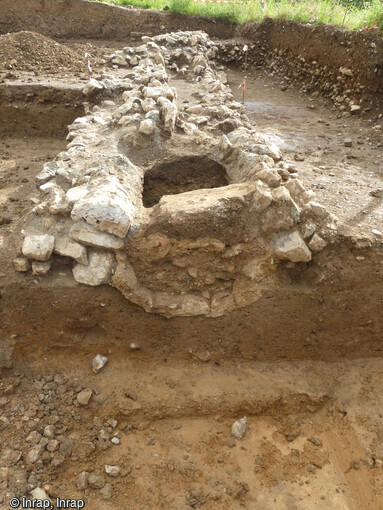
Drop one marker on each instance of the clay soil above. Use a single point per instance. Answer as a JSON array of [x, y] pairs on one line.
[[308, 384]]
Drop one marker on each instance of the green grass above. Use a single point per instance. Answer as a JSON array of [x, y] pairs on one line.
[[352, 14]]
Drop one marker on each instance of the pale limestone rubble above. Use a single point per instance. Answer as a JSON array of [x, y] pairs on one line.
[[202, 250]]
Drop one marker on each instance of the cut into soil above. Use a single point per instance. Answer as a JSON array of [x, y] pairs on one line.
[[181, 175]]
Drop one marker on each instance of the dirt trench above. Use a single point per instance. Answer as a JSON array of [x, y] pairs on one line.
[[303, 364]]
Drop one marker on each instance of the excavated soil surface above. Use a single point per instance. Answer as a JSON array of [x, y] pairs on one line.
[[338, 157], [172, 388], [305, 444]]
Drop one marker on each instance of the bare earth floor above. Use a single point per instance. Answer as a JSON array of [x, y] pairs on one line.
[[348, 179]]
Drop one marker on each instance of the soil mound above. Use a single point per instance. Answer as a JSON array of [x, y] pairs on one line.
[[28, 51]]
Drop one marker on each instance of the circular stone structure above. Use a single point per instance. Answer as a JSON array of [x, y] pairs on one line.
[[167, 192]]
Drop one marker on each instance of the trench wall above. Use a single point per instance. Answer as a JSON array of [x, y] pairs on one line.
[[78, 18]]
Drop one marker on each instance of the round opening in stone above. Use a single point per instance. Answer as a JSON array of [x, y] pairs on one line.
[[181, 175]]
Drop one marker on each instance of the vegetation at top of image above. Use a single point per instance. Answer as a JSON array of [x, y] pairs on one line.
[[351, 14]]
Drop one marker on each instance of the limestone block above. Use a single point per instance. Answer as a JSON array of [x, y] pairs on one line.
[[154, 116], [225, 147], [142, 297], [221, 303], [216, 212], [99, 269], [228, 124], [240, 136], [153, 93], [91, 237], [282, 214], [66, 247], [270, 176], [126, 120], [35, 452], [112, 470], [41, 268], [48, 187], [58, 202], [270, 149], [297, 191], [238, 429], [317, 243], [205, 244], [245, 291], [146, 127], [39, 494], [195, 109], [355, 109], [22, 264], [133, 61], [159, 59], [74, 194], [291, 246], [170, 93], [318, 210], [79, 123], [169, 113], [84, 397], [98, 362], [199, 70], [200, 120], [119, 61], [148, 105], [188, 127], [92, 87], [346, 71], [261, 198], [257, 269], [198, 60], [308, 229], [184, 305], [47, 173], [124, 278], [38, 247], [106, 206]]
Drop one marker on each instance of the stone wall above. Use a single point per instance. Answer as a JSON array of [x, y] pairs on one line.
[[199, 252]]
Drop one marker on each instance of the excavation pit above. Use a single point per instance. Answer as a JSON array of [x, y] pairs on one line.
[[181, 175]]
